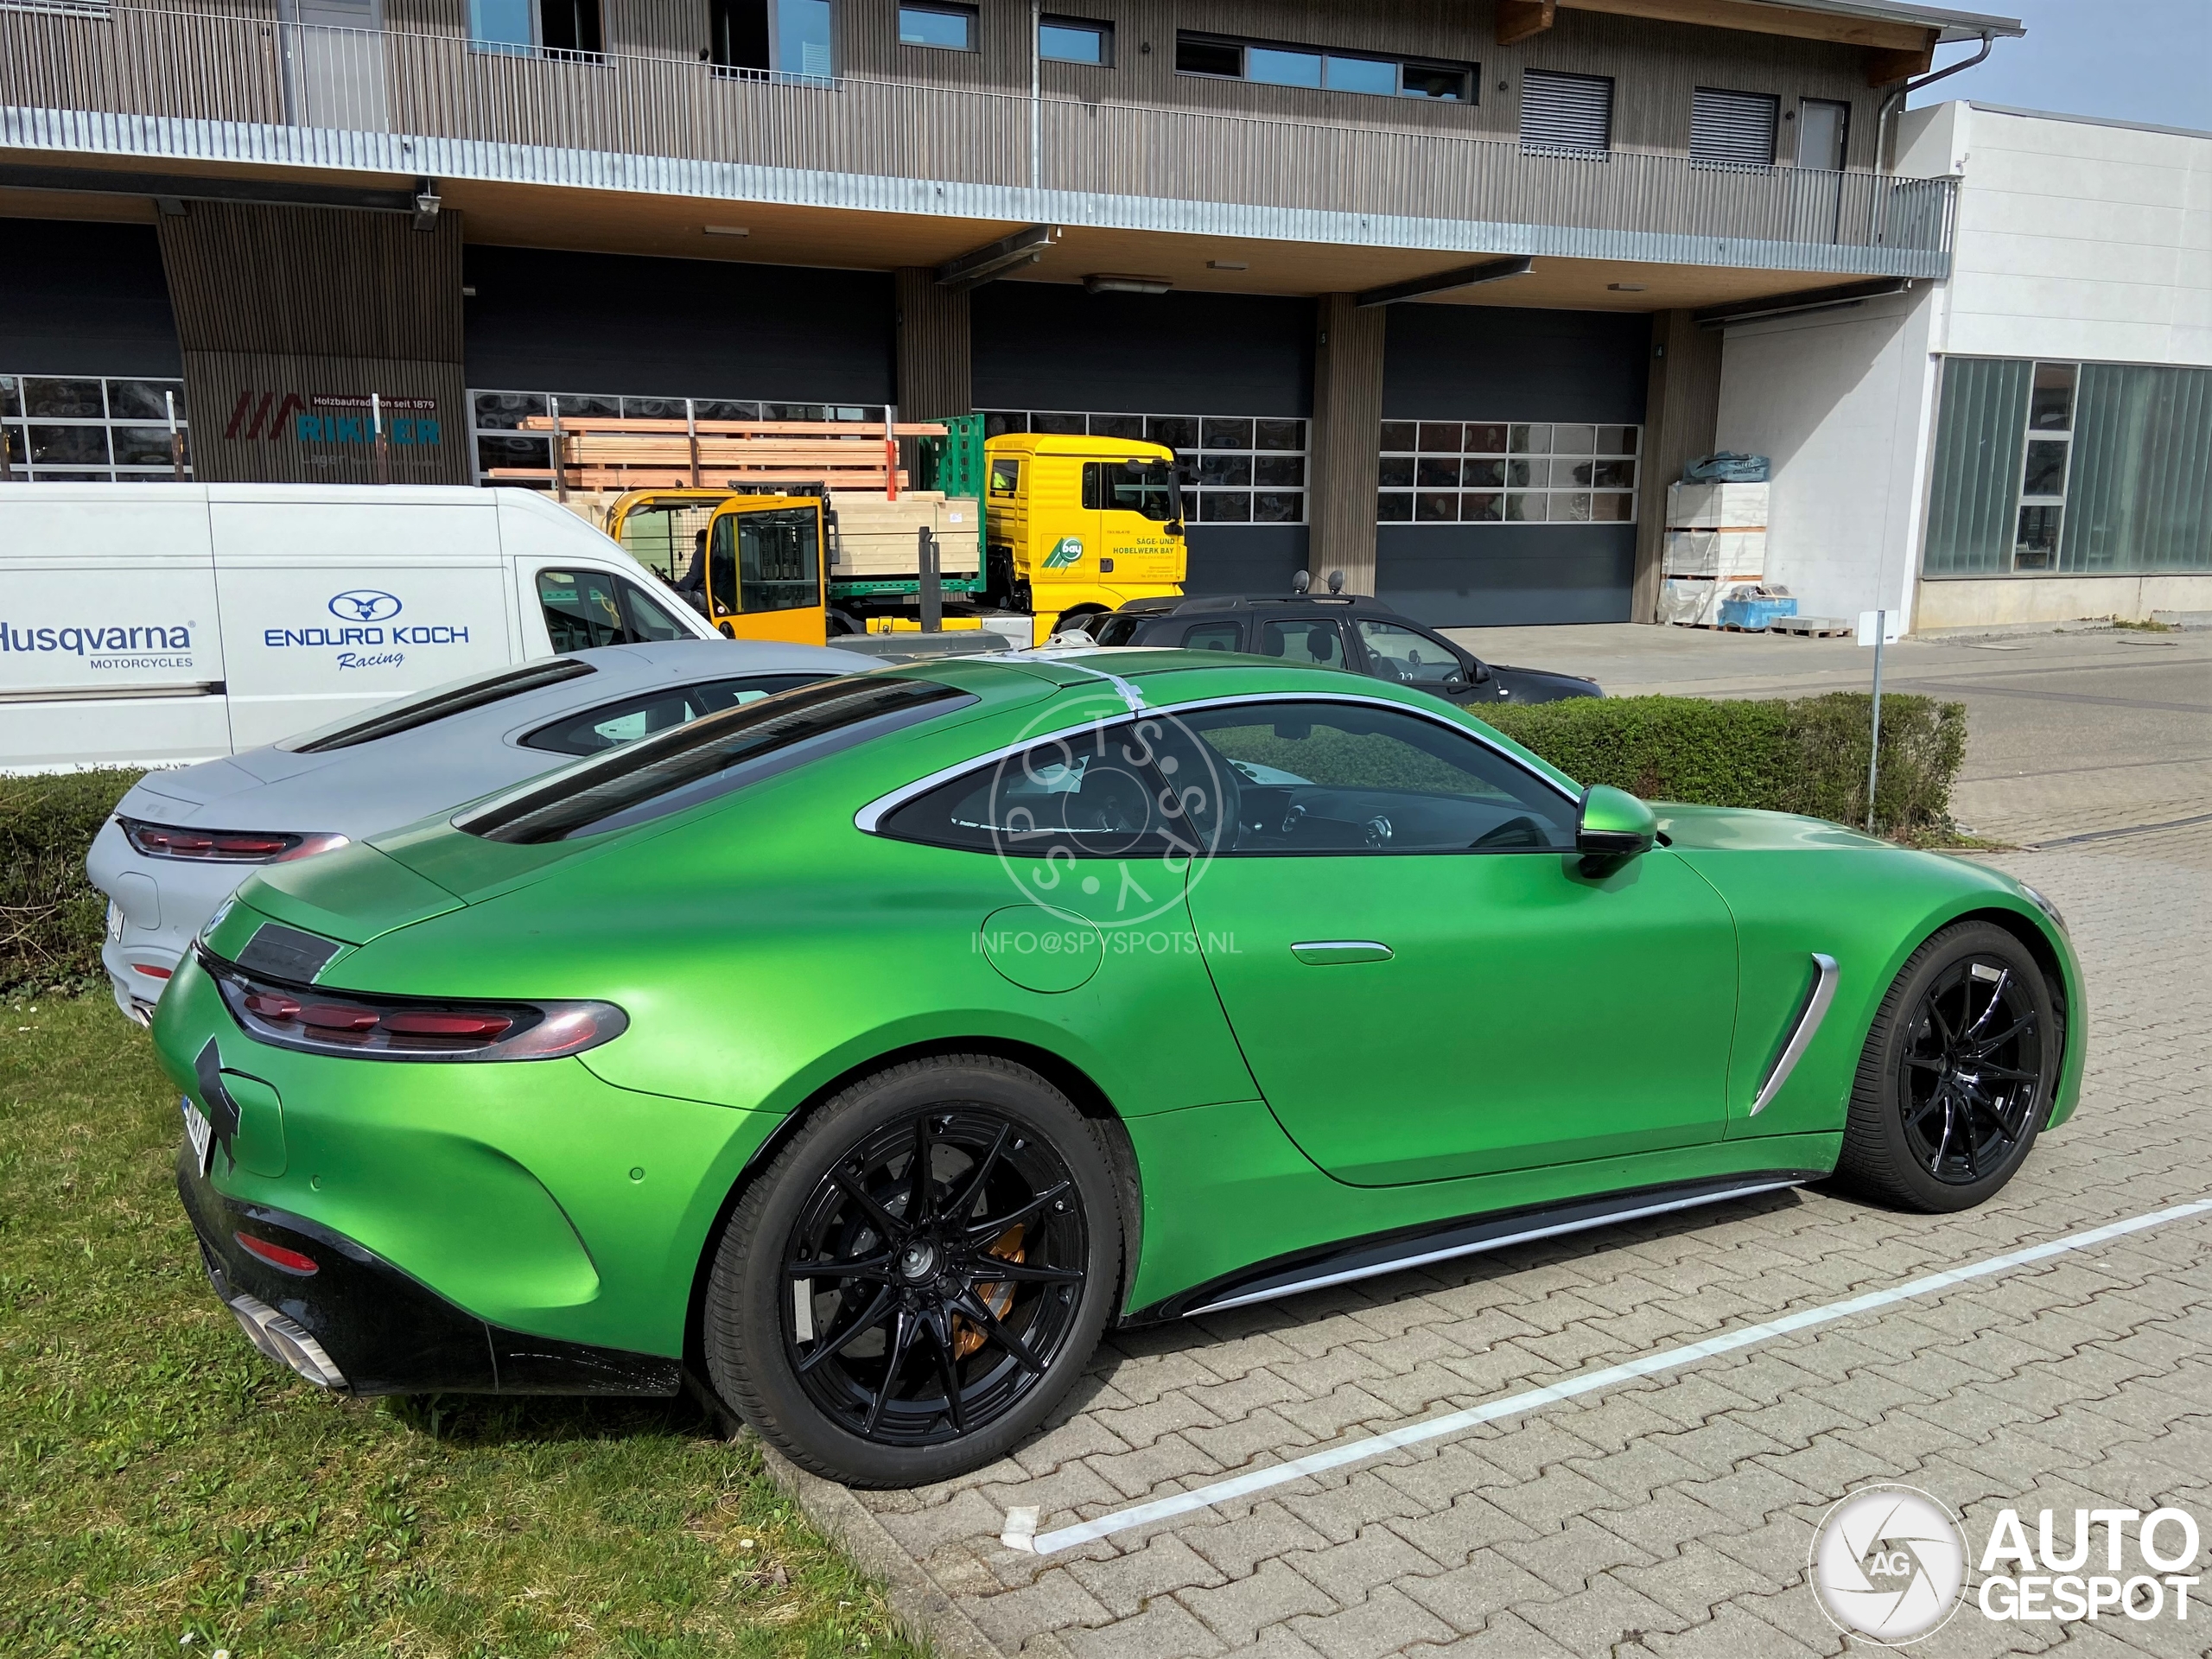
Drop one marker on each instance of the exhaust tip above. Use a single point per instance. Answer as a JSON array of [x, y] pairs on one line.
[[286, 1341]]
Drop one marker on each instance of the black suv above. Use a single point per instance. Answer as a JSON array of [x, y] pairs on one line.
[[1336, 630]]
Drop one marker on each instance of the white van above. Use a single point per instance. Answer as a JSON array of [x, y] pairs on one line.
[[147, 624]]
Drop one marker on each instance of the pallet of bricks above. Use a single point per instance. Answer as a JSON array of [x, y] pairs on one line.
[[1715, 546], [850, 462]]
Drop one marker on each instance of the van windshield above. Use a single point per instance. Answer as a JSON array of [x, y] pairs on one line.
[[456, 697], [707, 757]]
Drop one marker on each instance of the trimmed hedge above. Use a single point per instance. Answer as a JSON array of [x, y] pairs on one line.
[[1809, 756], [1806, 755], [52, 919]]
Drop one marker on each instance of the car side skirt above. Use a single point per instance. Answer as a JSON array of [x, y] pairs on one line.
[[1394, 1252]]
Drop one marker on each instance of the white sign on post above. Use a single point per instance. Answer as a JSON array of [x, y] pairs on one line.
[[1877, 627]]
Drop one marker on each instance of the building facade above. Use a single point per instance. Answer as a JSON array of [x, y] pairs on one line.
[[1425, 290], [2029, 442]]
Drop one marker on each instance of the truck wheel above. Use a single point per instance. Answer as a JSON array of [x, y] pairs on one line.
[[918, 1278]]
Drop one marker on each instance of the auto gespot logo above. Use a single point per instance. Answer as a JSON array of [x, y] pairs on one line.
[[368, 620]]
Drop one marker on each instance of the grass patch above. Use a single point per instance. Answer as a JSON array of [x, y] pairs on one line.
[[160, 1479]]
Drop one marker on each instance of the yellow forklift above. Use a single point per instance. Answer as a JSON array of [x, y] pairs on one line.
[[752, 564]]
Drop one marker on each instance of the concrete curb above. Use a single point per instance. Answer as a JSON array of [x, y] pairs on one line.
[[924, 1612]]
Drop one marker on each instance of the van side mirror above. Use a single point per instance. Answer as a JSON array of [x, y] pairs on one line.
[[1613, 827]]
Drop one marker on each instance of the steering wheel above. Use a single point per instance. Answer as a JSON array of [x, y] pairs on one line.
[[1519, 831]]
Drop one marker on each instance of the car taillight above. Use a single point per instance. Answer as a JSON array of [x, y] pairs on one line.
[[372, 1027], [224, 846], [278, 1256]]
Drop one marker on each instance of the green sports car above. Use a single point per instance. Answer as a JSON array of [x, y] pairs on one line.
[[862, 1053]]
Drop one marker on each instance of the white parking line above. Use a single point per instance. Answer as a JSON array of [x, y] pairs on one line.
[[1336, 1457]]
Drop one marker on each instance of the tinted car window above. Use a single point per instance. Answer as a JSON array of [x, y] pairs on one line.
[[1115, 631], [1214, 636], [709, 756], [1316, 777], [458, 698], [1092, 796], [1407, 655], [585, 609], [613, 724], [1314, 641]]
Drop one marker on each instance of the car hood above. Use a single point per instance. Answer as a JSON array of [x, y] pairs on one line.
[[1546, 679], [1733, 829]]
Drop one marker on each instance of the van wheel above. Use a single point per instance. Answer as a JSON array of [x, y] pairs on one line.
[[916, 1278]]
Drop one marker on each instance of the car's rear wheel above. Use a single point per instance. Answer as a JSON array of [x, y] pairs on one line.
[[916, 1279], [1957, 1074]]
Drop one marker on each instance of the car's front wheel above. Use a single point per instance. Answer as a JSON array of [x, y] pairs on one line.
[[916, 1279], [1957, 1074]]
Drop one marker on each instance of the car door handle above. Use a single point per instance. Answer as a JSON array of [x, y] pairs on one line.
[[1322, 953]]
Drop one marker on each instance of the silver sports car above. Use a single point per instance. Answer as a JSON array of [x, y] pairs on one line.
[[181, 840]]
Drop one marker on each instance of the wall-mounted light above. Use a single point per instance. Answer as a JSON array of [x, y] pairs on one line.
[[1108, 282]]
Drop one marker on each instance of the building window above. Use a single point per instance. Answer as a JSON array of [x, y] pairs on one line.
[[2070, 468], [1566, 115], [1506, 472], [2046, 449], [784, 37], [950, 28], [62, 429], [511, 431], [535, 27], [1236, 469], [1275, 65], [1733, 129], [1075, 39]]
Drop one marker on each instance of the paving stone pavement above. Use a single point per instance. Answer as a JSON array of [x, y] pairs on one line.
[[1671, 1516]]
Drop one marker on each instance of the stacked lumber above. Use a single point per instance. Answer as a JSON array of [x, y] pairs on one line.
[[609, 452], [878, 539]]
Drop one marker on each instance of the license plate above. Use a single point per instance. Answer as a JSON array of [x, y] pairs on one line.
[[114, 922], [200, 1134]]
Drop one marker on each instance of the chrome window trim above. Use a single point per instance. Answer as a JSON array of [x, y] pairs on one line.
[[869, 818], [1801, 1035]]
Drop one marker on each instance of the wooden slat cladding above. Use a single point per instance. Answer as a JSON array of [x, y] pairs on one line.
[[1346, 438], [321, 280], [935, 372], [276, 307], [248, 410]]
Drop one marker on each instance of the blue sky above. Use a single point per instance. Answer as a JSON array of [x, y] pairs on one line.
[[2147, 60]]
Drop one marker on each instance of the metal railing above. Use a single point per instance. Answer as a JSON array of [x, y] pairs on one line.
[[225, 71]]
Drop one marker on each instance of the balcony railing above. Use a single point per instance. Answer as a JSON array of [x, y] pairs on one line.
[[219, 77]]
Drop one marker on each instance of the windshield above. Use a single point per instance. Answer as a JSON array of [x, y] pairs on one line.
[[709, 757], [1138, 485], [457, 696]]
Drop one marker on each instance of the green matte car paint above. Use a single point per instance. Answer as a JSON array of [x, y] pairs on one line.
[[1544, 1032]]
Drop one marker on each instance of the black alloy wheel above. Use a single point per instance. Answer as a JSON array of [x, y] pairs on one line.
[[1971, 1074], [1957, 1075], [935, 1274], [918, 1275]]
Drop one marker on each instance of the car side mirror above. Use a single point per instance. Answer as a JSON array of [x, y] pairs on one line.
[[1612, 828], [1480, 673]]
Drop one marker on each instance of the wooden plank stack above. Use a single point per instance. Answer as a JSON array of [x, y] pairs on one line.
[[877, 539], [611, 453]]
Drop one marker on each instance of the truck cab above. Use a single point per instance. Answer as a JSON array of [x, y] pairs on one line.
[[1078, 525]]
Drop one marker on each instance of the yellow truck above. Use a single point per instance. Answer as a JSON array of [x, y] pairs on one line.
[[1074, 525]]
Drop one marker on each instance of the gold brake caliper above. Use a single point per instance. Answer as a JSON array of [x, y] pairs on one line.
[[998, 1296]]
